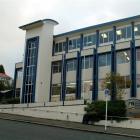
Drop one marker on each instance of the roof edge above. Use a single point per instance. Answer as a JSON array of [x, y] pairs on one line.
[[39, 22], [98, 25]]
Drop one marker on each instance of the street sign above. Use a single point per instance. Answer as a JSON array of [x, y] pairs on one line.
[[106, 91]]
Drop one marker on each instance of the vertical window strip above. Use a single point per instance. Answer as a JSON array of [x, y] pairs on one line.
[[30, 71]]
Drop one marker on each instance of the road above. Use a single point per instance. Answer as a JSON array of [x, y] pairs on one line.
[[11, 130]]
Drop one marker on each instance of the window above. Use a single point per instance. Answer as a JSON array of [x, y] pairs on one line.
[[101, 81], [71, 65], [56, 89], [89, 40], [138, 80], [87, 62], [128, 32], [19, 74], [106, 37], [123, 57], [137, 30], [138, 54], [74, 44], [60, 47], [56, 66], [30, 70], [87, 86], [127, 82], [104, 60], [70, 88], [124, 33]]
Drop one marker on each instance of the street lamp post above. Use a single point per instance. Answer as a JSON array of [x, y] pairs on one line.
[[106, 109], [83, 77], [106, 97]]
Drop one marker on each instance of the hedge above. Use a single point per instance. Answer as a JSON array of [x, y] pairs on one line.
[[95, 111]]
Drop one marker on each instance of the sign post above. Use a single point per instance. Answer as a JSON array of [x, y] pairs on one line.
[[106, 97]]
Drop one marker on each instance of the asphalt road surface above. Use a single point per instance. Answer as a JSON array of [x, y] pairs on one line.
[[11, 130]]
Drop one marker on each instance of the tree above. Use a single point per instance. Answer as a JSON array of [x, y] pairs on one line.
[[2, 70], [2, 85], [118, 82]]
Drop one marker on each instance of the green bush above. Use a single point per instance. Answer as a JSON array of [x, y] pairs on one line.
[[95, 111], [13, 101], [10, 101]]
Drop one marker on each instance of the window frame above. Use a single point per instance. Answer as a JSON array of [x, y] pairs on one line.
[[126, 34], [73, 63], [58, 65], [75, 43], [108, 36], [86, 37], [122, 51], [106, 59]]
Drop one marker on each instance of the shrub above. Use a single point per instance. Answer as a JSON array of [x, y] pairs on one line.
[[10, 101], [13, 101], [95, 111]]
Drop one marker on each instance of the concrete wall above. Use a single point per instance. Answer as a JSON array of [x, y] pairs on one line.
[[132, 123], [67, 113]]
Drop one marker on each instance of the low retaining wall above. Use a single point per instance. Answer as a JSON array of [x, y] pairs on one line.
[[75, 113], [56, 111], [45, 104], [131, 123]]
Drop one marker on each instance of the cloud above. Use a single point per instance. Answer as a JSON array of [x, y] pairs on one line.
[[71, 14]]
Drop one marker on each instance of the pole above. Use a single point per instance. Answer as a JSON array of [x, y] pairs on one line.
[[83, 76], [62, 79], [106, 113]]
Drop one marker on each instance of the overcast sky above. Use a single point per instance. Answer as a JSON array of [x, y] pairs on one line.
[[71, 14]]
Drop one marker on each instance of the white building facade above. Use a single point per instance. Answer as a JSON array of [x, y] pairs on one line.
[[73, 65]]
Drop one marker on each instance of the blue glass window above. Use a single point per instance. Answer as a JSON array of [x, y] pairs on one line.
[[71, 88], [106, 37], [89, 40], [60, 47], [56, 67], [74, 44], [30, 70], [71, 65], [137, 30], [138, 54], [110, 36], [87, 62], [56, 89], [124, 33], [123, 57], [104, 59], [129, 31], [138, 80]]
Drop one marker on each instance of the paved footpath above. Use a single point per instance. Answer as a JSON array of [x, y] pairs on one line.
[[72, 125]]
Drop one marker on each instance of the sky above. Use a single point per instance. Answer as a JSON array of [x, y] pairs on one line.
[[71, 15]]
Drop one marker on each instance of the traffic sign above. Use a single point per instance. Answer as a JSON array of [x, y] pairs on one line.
[[106, 91]]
